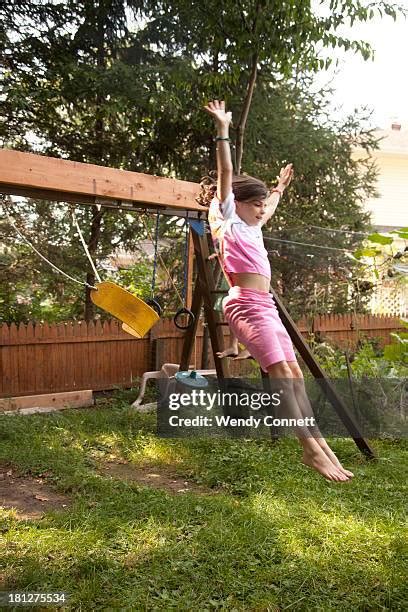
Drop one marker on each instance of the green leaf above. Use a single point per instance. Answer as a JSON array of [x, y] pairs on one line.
[[394, 352], [380, 239], [366, 252]]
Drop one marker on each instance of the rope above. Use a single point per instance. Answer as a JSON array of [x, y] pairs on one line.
[[75, 280], [327, 229], [75, 220], [376, 266], [316, 246]]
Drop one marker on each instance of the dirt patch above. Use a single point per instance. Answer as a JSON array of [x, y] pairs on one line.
[[157, 477], [30, 497]]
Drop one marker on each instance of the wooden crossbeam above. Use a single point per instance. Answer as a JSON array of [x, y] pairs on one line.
[[58, 179]]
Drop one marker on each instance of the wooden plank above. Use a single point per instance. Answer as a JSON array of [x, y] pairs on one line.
[[30, 353], [122, 378], [24, 367], [45, 357], [190, 334], [113, 353], [107, 353], [134, 352], [79, 353], [190, 267], [69, 356], [315, 369], [128, 360], [101, 353], [61, 358], [31, 171], [93, 329], [205, 278], [57, 401], [113, 361], [13, 356]]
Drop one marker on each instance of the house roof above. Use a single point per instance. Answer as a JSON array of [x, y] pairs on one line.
[[394, 140], [126, 259]]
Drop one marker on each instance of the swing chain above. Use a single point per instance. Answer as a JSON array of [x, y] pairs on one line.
[[184, 310], [156, 249], [160, 258]]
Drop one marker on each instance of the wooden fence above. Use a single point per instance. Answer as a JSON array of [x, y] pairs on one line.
[[42, 358]]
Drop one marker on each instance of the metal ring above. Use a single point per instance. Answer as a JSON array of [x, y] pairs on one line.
[[155, 305], [190, 318]]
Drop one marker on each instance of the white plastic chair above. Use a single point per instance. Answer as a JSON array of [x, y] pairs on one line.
[[167, 372]]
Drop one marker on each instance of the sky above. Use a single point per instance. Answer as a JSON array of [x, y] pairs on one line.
[[380, 84]]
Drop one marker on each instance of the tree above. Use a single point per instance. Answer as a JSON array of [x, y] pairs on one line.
[[233, 42], [76, 87], [88, 82], [328, 192]]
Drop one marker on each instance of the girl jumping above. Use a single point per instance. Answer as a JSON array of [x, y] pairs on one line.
[[238, 209]]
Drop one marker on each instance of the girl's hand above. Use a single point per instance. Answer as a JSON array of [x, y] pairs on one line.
[[216, 109], [285, 176]]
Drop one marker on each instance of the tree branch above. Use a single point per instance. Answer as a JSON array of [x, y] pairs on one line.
[[240, 131]]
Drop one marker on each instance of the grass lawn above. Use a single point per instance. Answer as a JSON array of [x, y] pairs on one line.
[[259, 532]]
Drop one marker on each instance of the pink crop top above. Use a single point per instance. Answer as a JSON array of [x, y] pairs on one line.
[[239, 245]]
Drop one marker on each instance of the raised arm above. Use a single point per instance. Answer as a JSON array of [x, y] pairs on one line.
[[285, 176], [222, 120]]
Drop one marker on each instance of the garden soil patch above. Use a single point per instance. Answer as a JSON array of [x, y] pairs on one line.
[[157, 477], [30, 497]]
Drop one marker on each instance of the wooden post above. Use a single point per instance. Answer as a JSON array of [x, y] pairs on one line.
[[321, 378], [205, 287], [190, 267], [191, 332]]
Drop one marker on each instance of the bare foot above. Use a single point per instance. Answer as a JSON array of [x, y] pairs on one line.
[[229, 352], [244, 354], [319, 461], [333, 458]]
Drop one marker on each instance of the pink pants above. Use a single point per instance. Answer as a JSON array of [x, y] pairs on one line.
[[254, 319]]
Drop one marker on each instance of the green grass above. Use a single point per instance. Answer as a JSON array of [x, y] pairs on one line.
[[276, 537]]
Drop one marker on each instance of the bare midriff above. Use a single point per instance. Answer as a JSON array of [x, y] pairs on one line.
[[250, 280]]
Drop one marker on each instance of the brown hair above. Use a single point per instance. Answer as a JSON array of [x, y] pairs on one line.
[[244, 187]]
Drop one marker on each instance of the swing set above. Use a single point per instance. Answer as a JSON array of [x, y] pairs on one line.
[[137, 316], [36, 176]]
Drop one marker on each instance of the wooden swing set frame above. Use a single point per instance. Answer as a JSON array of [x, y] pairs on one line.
[[37, 176]]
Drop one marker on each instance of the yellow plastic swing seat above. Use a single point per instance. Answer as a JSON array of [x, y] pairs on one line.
[[137, 317]]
